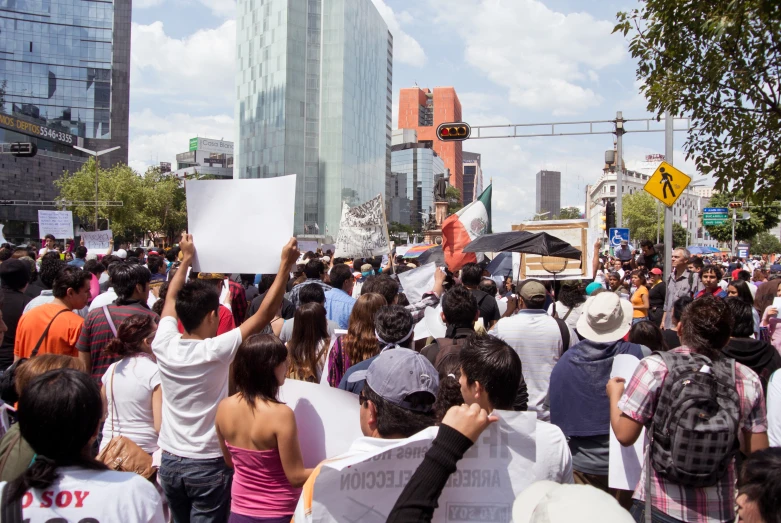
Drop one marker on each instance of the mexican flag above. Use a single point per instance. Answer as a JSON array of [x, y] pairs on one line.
[[459, 229]]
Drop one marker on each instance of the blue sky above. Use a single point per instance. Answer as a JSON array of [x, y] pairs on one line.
[[511, 61]]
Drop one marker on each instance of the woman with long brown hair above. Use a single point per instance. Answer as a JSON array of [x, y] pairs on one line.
[[360, 343], [308, 345]]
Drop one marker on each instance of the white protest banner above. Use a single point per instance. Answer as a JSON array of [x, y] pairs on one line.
[[328, 419], [251, 216], [98, 240], [364, 487], [626, 463], [363, 231], [418, 281], [57, 223], [307, 245]]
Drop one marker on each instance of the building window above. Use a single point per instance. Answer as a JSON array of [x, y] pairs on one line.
[[612, 188]]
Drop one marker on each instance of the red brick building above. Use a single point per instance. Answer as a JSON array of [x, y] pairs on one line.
[[423, 110]]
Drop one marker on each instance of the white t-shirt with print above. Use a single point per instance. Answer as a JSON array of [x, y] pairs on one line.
[[194, 377], [774, 409], [135, 379], [93, 495]]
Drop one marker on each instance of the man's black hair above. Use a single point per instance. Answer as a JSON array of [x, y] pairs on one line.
[[383, 285], [50, 268], [247, 279], [679, 306], [139, 251], [393, 324], [696, 262], [14, 274], [311, 293], [715, 269], [80, 252], [109, 259], [50, 237], [69, 278], [760, 481], [744, 275], [706, 326], [94, 266], [743, 314], [647, 243], [340, 273], [172, 255], [471, 274], [459, 306], [488, 286], [5, 254], [195, 301], [393, 420], [495, 365], [266, 281], [154, 263], [314, 269], [125, 277]]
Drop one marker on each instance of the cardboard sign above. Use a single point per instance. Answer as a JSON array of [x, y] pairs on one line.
[[574, 232], [363, 231], [222, 213], [489, 477], [327, 419], [57, 223], [626, 463], [98, 240]]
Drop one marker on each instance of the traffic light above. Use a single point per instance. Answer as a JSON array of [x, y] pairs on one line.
[[24, 149], [735, 205], [610, 215], [604, 222], [453, 132]]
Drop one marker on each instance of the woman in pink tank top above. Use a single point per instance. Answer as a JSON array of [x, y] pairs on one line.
[[259, 437]]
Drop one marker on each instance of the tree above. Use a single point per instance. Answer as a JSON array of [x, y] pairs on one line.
[[453, 199], [762, 218], [394, 228], [718, 63], [570, 213], [679, 235], [166, 205], [765, 243], [640, 216]]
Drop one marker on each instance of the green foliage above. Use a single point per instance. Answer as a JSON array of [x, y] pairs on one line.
[[644, 218], [569, 213], [765, 243], [394, 228], [453, 198], [763, 217], [679, 235], [717, 62]]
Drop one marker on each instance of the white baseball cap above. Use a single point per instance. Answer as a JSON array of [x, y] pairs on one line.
[[121, 253], [549, 502]]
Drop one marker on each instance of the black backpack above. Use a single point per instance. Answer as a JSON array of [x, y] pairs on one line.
[[694, 436]]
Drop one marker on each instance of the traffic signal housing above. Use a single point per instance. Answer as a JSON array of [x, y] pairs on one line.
[[610, 215], [453, 132], [735, 205], [24, 149]]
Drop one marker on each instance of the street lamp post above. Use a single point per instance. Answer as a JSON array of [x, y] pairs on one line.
[[96, 154]]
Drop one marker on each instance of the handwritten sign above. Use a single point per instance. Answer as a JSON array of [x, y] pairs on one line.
[[307, 245], [363, 231], [626, 463], [97, 240], [57, 223], [220, 214], [364, 487]]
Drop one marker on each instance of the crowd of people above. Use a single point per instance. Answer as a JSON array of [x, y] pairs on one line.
[[136, 389]]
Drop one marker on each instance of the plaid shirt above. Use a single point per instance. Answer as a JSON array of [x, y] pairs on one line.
[[692, 505], [295, 290], [418, 309], [239, 303], [96, 333]]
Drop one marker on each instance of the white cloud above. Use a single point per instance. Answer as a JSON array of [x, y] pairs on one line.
[[196, 70], [144, 4], [541, 56], [406, 49], [225, 8], [158, 138]]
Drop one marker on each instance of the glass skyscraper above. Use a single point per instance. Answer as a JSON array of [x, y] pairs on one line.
[[417, 167], [314, 99]]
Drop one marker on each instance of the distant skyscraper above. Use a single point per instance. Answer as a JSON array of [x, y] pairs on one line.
[[423, 110], [549, 193], [314, 83], [64, 81], [416, 166], [473, 177]]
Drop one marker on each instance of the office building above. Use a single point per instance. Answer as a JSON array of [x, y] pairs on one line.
[[415, 168], [473, 177], [206, 156], [424, 110], [548, 193], [64, 81], [314, 99]]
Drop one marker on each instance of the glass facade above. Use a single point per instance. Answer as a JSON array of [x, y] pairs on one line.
[[314, 99], [420, 167]]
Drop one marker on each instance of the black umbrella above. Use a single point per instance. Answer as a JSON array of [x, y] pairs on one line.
[[525, 242], [435, 254], [498, 242]]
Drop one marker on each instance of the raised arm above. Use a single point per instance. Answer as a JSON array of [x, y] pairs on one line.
[[595, 261], [273, 300], [188, 253]]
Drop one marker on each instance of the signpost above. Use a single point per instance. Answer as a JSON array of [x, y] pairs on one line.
[[715, 215], [618, 235], [667, 184]]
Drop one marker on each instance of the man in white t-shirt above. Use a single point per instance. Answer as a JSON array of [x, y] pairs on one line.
[[50, 245], [194, 369], [490, 374]]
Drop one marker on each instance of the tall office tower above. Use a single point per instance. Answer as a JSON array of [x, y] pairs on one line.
[[314, 82], [473, 177], [548, 193], [424, 110], [64, 81]]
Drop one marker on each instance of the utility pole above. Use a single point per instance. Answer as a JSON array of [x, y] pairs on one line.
[[668, 212], [734, 222], [620, 169]]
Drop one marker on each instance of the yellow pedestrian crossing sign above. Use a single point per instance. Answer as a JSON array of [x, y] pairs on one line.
[[667, 184]]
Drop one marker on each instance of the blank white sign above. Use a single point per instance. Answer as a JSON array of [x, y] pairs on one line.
[[240, 226]]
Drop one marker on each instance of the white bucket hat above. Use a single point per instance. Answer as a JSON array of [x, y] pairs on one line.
[[549, 502], [606, 318]]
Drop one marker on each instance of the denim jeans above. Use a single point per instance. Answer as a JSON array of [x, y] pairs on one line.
[[638, 512], [197, 490]]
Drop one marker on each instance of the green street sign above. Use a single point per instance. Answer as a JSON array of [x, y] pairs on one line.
[[193, 144], [714, 222], [715, 216]]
